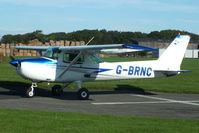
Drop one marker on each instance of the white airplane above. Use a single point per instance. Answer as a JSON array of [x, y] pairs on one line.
[[80, 64]]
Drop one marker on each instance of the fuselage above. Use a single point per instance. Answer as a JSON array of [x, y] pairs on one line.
[[48, 70]]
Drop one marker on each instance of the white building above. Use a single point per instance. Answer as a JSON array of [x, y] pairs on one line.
[[190, 53]]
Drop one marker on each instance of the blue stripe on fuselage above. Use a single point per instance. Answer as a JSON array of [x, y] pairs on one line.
[[38, 61]]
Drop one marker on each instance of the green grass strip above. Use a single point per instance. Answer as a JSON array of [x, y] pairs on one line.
[[21, 121]]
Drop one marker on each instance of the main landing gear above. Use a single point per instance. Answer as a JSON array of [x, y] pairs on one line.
[[57, 90], [82, 93]]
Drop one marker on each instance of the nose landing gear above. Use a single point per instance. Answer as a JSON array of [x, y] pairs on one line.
[[30, 91]]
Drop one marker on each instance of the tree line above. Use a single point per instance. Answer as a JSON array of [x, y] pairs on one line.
[[101, 36]]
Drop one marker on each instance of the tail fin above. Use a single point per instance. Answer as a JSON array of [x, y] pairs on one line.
[[172, 58]]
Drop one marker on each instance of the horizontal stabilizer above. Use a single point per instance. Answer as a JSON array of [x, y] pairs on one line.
[[169, 73], [172, 71]]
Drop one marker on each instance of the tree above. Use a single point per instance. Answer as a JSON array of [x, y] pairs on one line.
[[101, 36]]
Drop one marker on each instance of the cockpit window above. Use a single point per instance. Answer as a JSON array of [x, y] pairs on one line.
[[52, 53], [68, 57], [96, 58]]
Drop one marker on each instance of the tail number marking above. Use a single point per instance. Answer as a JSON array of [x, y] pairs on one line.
[[134, 70]]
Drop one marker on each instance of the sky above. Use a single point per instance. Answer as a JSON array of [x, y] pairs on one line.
[[23, 16]]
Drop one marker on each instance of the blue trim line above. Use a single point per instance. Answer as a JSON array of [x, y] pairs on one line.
[[102, 70], [132, 46]]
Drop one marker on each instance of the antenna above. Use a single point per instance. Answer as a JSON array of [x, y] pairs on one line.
[[90, 40]]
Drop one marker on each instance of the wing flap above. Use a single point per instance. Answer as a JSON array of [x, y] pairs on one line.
[[119, 51]]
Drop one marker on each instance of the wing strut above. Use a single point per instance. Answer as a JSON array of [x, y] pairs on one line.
[[74, 60], [89, 40], [70, 65]]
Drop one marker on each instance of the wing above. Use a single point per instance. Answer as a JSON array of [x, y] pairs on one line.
[[96, 48], [33, 47], [86, 48]]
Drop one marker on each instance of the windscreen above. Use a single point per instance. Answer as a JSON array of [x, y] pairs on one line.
[[52, 53]]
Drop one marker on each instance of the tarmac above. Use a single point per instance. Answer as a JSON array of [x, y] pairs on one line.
[[117, 102]]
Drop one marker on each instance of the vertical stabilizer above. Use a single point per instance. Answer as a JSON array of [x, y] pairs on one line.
[[172, 57]]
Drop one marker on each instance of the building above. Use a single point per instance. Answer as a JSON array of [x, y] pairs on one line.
[[190, 53]]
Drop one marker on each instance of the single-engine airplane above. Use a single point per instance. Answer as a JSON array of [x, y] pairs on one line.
[[80, 64]]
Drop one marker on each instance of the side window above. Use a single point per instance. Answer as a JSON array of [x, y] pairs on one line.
[[56, 55], [68, 57]]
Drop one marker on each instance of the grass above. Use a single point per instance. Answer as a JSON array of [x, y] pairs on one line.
[[183, 83], [21, 121]]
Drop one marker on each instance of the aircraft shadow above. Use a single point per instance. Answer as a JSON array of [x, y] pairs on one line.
[[124, 89], [18, 90], [13, 88]]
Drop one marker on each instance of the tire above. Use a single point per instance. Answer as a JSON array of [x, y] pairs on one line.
[[57, 90], [30, 93], [83, 94]]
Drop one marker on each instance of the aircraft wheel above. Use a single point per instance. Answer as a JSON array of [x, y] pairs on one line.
[[57, 90], [30, 92], [83, 94]]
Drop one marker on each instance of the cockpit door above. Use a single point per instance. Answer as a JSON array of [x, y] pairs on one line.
[[67, 58]]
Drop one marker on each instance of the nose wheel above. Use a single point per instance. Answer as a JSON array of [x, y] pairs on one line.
[[30, 91]]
